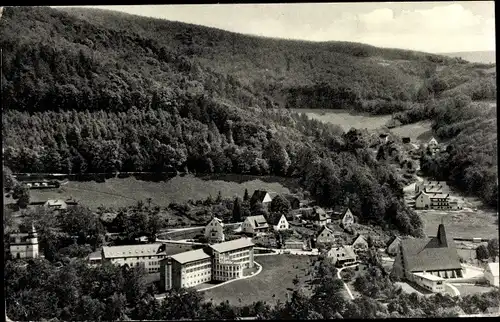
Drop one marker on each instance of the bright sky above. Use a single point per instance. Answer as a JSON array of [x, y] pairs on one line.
[[437, 27]]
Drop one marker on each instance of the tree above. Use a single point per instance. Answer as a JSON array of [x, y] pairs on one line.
[[482, 252], [246, 197], [219, 198], [493, 248], [237, 211], [24, 198], [380, 153], [280, 205]]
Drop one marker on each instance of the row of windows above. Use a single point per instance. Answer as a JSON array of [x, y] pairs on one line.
[[189, 270], [228, 274], [200, 274], [190, 284], [153, 270], [143, 257], [194, 264]]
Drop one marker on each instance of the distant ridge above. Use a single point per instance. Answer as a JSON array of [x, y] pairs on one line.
[[485, 57]]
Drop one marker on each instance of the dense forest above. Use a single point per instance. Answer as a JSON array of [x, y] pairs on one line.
[[75, 109]]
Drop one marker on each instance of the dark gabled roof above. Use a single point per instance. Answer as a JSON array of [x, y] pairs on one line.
[[430, 254], [258, 195], [274, 218], [392, 240], [319, 214]]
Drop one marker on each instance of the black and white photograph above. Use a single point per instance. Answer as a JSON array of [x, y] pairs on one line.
[[250, 161]]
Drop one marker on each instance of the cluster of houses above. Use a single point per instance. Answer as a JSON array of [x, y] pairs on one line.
[[434, 195], [41, 184], [57, 204]]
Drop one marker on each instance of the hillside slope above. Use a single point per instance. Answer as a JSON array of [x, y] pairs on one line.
[[84, 98], [485, 57]]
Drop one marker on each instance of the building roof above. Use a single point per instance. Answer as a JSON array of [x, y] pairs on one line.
[[319, 214], [141, 250], [55, 202], [259, 195], [358, 239], [274, 218], [190, 256], [347, 250], [393, 241], [95, 255], [439, 196], [494, 269], [429, 276], [429, 254], [327, 229], [216, 219], [257, 221], [232, 245]]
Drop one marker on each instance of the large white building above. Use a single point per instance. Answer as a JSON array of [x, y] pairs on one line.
[[145, 255], [24, 244], [219, 262]]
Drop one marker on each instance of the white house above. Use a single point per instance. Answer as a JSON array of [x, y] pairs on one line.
[[393, 247], [342, 255], [347, 218], [432, 142], [262, 197], [24, 244], [214, 231], [360, 244], [56, 204], [254, 225], [491, 273], [279, 222], [432, 201]]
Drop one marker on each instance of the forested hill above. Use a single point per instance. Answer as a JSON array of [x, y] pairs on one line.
[[80, 97], [132, 58]]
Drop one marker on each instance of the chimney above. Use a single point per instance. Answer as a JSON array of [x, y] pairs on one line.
[[441, 236]]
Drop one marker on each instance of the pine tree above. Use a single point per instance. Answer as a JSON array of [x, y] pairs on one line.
[[219, 198], [237, 210], [246, 197]]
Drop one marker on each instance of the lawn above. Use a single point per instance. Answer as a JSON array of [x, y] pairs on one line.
[[463, 224], [417, 132], [345, 119], [469, 289], [117, 192], [274, 282]]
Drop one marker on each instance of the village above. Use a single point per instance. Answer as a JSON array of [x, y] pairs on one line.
[[211, 256]]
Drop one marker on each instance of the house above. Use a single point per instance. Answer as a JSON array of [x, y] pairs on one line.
[[347, 218], [263, 197], [342, 255], [316, 215], [279, 222], [294, 201], [325, 236], [432, 201], [56, 204], [145, 255], [393, 247], [432, 185], [214, 231], [432, 142], [491, 273], [360, 244], [95, 258], [383, 137], [24, 243], [254, 225], [108, 217], [437, 256]]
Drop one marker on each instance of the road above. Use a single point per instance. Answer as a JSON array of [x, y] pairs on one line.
[[345, 284]]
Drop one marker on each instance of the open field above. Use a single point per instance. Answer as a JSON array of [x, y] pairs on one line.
[[464, 224], [117, 192], [273, 283], [469, 289], [345, 119], [420, 131]]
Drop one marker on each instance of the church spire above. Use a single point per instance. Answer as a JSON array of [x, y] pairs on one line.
[[441, 235]]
